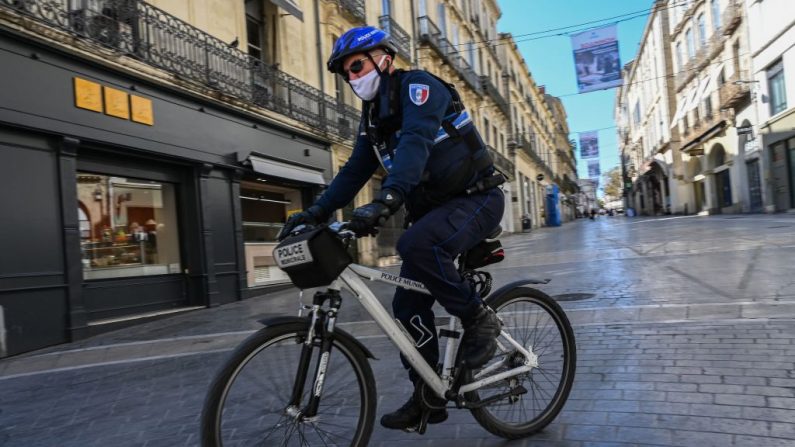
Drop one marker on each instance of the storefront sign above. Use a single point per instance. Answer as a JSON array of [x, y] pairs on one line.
[[293, 254], [746, 130], [116, 103], [142, 110], [751, 145], [88, 95]]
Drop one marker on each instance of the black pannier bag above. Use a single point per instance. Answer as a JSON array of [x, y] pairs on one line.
[[312, 259]]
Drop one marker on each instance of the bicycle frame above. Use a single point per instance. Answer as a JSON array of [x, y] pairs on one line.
[[351, 278]]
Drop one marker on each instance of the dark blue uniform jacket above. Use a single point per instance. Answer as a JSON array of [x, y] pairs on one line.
[[422, 145]]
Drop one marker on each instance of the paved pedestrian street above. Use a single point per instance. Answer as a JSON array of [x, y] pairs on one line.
[[684, 330]]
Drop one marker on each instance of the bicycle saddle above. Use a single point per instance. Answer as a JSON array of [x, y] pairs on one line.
[[495, 233], [488, 251]]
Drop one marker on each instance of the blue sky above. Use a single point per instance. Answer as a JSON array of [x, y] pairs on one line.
[[551, 62]]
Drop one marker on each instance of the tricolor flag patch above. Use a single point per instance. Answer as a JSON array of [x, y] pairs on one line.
[[419, 93]]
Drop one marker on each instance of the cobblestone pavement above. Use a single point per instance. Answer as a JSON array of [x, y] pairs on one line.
[[684, 329]]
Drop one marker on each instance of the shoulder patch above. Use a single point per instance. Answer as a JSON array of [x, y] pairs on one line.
[[419, 93]]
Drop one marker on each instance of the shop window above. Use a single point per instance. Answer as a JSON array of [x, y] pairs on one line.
[[776, 89], [264, 208], [128, 227], [264, 214]]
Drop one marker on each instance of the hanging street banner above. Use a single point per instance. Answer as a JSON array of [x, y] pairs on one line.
[[596, 59], [593, 168], [589, 144]]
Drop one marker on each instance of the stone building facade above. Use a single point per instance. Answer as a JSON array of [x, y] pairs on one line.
[[152, 150]]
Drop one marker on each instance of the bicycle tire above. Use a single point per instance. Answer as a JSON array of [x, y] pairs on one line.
[[486, 416], [215, 407]]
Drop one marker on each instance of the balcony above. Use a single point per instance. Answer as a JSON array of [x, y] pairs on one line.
[[736, 90], [355, 8], [685, 17], [702, 57], [527, 147], [143, 32], [716, 43], [399, 35], [732, 16], [431, 35], [465, 71], [708, 120], [684, 75], [490, 89], [502, 163]]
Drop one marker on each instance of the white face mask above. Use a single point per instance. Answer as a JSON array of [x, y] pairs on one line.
[[366, 87]]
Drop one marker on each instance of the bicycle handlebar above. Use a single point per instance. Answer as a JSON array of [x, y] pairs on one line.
[[341, 229]]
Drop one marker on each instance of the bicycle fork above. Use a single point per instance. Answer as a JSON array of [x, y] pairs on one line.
[[321, 326]]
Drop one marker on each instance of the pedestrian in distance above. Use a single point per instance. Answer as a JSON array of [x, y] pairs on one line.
[[415, 127]]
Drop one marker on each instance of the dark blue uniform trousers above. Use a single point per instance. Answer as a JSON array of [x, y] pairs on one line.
[[428, 249]]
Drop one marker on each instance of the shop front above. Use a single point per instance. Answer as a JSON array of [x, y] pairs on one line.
[[127, 200], [269, 193], [778, 139]]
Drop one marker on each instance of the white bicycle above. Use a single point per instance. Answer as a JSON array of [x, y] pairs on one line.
[[302, 381]]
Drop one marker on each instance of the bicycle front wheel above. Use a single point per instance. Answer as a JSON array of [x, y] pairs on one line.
[[249, 400], [537, 322]]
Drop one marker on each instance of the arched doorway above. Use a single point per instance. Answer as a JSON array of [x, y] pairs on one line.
[[659, 194], [722, 195], [694, 173]]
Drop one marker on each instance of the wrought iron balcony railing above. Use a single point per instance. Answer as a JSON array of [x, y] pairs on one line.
[[150, 35], [399, 35], [354, 8], [716, 43], [732, 16], [490, 89], [431, 35], [705, 119], [735, 90], [502, 163], [685, 74], [465, 71]]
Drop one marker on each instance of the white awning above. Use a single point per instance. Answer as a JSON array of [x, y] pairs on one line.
[[713, 81], [291, 6], [680, 107], [696, 94], [287, 171]]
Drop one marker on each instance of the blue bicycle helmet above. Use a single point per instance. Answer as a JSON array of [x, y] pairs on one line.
[[359, 40]]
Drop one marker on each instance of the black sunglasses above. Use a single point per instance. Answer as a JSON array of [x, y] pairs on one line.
[[356, 67]]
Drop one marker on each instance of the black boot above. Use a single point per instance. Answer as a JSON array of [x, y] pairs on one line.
[[480, 337], [409, 415]]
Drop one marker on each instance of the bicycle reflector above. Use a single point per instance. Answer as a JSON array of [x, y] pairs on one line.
[[312, 259], [485, 253]]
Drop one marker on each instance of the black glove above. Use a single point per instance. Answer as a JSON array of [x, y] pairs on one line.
[[310, 216], [366, 218]]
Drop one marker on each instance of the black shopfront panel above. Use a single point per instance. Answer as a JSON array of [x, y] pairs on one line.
[[33, 290], [114, 297]]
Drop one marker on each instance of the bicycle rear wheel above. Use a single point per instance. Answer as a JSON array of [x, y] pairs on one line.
[[535, 321], [248, 402]]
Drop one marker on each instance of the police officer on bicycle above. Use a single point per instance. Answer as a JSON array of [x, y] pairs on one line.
[[415, 127]]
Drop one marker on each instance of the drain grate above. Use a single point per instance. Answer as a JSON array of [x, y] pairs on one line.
[[574, 296]]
